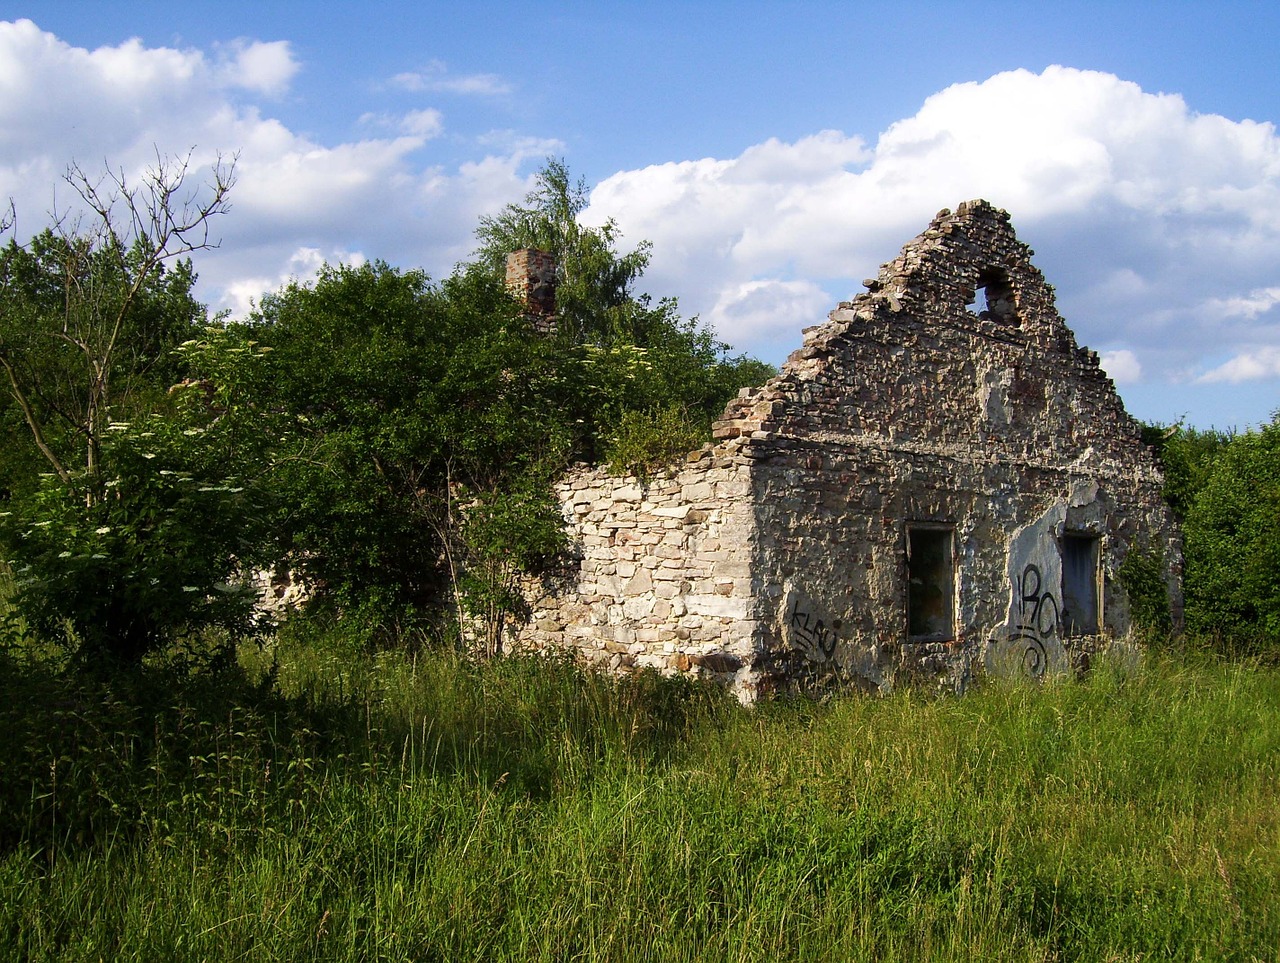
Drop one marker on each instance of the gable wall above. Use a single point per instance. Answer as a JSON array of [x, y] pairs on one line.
[[907, 408]]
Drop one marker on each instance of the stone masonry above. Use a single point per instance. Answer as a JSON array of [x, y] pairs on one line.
[[938, 483], [531, 278]]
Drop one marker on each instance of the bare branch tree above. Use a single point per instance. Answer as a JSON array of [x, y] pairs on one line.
[[125, 234]]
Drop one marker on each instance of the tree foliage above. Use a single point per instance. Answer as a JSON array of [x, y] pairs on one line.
[[1232, 544], [404, 401], [125, 539], [1225, 487], [89, 309], [1142, 573], [650, 358], [595, 297], [391, 439], [161, 557]]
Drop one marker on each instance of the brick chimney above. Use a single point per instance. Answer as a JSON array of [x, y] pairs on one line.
[[531, 278]]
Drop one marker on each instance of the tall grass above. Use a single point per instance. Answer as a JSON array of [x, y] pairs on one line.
[[345, 806]]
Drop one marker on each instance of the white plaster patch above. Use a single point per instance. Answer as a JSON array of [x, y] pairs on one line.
[[1029, 644], [806, 627]]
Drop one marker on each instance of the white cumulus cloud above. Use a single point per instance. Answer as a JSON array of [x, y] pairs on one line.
[[767, 308], [267, 68], [1159, 226], [1148, 217], [1246, 366], [127, 104], [1122, 366], [1256, 302]]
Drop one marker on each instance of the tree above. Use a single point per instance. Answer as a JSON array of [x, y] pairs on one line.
[[595, 301], [1232, 544], [418, 416], [426, 422], [89, 305], [649, 365], [1187, 457], [391, 439], [135, 536], [160, 558]]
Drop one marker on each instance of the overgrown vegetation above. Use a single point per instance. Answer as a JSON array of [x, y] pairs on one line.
[[389, 439], [1225, 487], [348, 806], [183, 780]]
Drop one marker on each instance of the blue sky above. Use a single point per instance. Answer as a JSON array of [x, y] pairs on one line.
[[775, 154]]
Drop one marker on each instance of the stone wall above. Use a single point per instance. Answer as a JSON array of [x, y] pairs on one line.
[[908, 409], [660, 573]]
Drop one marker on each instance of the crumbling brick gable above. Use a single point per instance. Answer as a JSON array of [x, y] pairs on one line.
[[910, 361]]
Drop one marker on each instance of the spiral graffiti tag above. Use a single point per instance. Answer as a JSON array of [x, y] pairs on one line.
[[1037, 622]]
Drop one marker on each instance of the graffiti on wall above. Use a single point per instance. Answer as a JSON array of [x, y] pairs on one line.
[[1029, 643], [1037, 625], [812, 634]]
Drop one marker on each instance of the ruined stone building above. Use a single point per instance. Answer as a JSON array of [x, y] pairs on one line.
[[938, 482]]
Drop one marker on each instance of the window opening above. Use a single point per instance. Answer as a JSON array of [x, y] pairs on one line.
[[930, 584], [1080, 572], [993, 297]]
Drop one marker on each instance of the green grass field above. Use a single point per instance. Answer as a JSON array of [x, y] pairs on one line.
[[351, 807]]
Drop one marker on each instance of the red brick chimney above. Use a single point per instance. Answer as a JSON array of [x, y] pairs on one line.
[[531, 278]]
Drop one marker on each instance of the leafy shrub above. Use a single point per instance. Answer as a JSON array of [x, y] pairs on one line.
[[1232, 545], [153, 552], [1142, 576], [648, 441]]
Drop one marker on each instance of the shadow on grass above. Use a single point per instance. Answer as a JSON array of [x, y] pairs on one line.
[[224, 754]]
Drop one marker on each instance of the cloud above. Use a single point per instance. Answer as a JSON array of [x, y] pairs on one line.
[[435, 78], [373, 197], [265, 68], [1248, 366], [1159, 226], [422, 123], [244, 294], [1122, 366], [425, 124], [1256, 302], [1150, 219], [767, 308]]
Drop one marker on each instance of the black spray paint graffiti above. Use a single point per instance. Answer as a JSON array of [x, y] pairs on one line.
[[1037, 622], [812, 634]]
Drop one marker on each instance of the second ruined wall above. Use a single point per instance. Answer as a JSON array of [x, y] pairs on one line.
[[660, 573]]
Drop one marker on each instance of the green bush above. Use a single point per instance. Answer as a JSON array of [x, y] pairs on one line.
[[1232, 546], [154, 549], [648, 441], [1142, 574]]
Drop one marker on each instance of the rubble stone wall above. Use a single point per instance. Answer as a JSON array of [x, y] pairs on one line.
[[660, 573], [908, 408]]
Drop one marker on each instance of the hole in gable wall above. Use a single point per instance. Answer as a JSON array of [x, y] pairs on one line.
[[993, 298]]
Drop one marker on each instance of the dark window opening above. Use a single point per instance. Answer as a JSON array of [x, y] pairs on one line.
[[1080, 609], [993, 298], [930, 584]]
